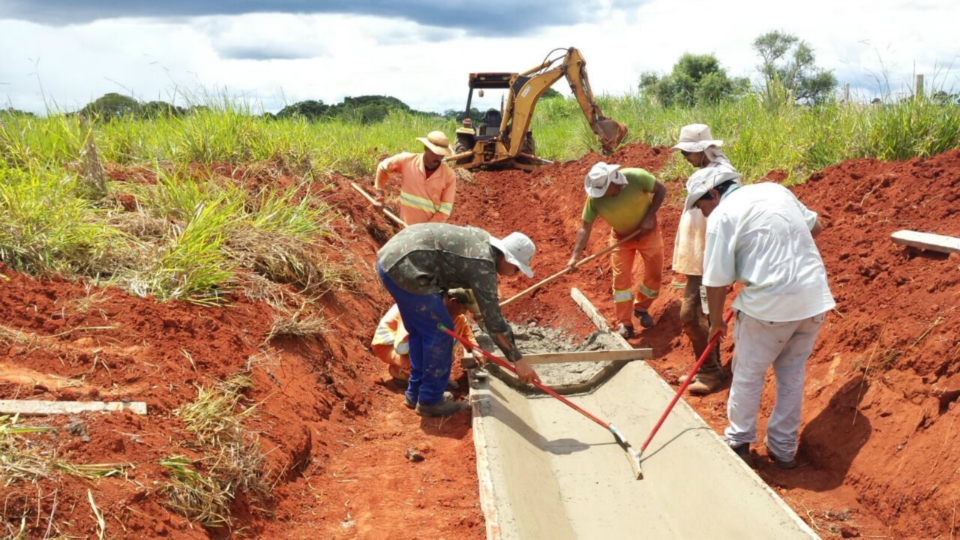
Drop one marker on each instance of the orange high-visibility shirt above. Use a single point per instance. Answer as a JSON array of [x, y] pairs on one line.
[[422, 199], [391, 333]]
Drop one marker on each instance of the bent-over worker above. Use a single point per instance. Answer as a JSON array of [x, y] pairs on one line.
[[428, 186], [763, 237], [423, 259], [701, 150], [628, 200]]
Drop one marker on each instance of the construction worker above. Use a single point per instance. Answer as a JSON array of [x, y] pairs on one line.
[[701, 150], [391, 339], [628, 201], [428, 186], [763, 237], [466, 137], [420, 261]]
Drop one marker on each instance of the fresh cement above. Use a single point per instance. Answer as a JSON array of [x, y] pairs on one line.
[[531, 339]]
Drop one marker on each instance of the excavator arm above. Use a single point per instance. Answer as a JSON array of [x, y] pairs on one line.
[[528, 86]]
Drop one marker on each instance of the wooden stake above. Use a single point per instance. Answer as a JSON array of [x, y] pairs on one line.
[[935, 242], [30, 408]]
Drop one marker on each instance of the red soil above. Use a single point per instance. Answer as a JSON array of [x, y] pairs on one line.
[[879, 446]]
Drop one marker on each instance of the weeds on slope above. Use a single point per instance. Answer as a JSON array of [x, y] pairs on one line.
[[231, 459]]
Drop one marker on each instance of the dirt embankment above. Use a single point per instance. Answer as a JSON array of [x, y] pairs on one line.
[[334, 433]]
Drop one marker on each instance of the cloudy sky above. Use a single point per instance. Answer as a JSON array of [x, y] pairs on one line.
[[64, 53]]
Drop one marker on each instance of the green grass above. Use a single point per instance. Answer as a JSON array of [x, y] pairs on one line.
[[193, 237]]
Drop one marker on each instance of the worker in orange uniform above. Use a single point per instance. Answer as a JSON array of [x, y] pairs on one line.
[[628, 200], [390, 341], [427, 185]]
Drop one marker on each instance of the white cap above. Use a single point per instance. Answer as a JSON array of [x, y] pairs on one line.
[[696, 138], [703, 181], [598, 179], [518, 249]]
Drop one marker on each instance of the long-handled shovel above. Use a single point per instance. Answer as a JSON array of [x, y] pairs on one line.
[[632, 455], [579, 263], [386, 212], [686, 383]]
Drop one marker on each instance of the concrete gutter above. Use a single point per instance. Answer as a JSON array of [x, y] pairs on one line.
[[547, 472]]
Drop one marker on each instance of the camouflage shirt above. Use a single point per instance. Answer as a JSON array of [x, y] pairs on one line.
[[424, 258]]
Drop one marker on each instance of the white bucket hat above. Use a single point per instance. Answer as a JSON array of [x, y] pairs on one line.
[[703, 181], [518, 249], [437, 142], [696, 138], [598, 179]]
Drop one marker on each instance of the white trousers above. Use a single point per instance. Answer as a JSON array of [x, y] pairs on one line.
[[760, 344]]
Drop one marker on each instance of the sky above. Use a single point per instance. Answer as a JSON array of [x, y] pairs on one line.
[[61, 54]]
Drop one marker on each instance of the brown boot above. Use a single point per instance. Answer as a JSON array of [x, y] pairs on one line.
[[705, 383]]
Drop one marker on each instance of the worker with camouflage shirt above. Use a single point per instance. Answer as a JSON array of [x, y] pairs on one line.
[[423, 259]]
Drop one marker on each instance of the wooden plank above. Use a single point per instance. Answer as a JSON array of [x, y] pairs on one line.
[[28, 408], [595, 316], [934, 242], [588, 356]]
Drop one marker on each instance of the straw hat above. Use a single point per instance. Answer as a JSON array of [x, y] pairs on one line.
[[696, 138], [437, 142]]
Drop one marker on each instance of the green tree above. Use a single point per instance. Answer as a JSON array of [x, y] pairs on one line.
[[310, 110], [696, 78], [110, 106], [790, 60], [550, 93]]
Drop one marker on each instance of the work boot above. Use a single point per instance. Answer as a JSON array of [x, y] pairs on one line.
[[788, 464], [744, 452], [705, 383], [625, 331], [646, 320], [446, 407], [413, 405]]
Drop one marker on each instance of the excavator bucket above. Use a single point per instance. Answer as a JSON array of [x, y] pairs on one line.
[[611, 134]]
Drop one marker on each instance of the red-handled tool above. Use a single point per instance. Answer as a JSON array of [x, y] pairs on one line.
[[686, 383], [632, 455]]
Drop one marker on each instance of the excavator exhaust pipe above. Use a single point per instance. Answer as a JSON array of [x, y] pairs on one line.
[[611, 134]]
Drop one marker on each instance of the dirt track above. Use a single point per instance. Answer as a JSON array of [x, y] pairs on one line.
[[878, 453]]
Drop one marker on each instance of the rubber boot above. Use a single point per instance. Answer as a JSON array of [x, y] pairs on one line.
[[411, 405], [446, 407]]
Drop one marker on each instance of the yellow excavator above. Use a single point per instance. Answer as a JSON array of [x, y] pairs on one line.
[[503, 139]]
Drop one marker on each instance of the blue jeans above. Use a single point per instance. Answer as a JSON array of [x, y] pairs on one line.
[[431, 351]]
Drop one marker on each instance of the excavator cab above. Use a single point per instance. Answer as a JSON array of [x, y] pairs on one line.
[[503, 139]]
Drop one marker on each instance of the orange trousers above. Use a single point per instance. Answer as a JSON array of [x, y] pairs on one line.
[[650, 248]]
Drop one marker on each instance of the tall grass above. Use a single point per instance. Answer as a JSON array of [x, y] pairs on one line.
[[190, 235]]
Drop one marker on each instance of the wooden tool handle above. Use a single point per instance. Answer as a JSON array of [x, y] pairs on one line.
[[373, 201], [577, 264]]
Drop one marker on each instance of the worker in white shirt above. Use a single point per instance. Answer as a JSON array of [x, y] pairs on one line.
[[763, 237]]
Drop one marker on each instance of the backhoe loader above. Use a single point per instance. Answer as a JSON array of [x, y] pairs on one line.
[[502, 140]]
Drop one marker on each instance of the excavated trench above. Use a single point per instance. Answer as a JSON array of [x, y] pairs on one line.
[[546, 471]]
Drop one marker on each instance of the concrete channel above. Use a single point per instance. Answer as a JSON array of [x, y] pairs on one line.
[[546, 472]]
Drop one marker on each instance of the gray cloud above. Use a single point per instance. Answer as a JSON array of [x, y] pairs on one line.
[[260, 52], [484, 18]]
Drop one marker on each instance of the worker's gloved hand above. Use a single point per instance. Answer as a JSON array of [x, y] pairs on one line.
[[378, 200], [648, 223], [525, 372], [479, 357], [572, 265]]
